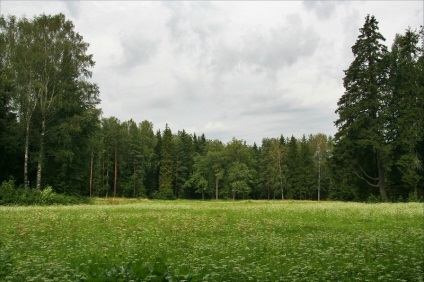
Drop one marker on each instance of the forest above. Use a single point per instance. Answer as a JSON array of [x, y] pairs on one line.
[[53, 134]]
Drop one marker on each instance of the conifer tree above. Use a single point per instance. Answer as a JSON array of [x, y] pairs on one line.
[[361, 109], [293, 168], [406, 110], [166, 166]]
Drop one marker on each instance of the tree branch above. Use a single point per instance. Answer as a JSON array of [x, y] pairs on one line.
[[373, 185], [369, 177]]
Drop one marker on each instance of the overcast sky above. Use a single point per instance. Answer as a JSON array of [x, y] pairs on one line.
[[247, 70]]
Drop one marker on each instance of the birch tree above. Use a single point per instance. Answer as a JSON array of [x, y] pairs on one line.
[[48, 62]]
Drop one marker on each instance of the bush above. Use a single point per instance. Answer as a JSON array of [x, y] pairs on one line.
[[163, 195], [374, 199], [12, 195], [27, 197], [7, 192], [413, 198]]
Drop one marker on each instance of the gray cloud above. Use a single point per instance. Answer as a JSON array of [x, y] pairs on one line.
[[161, 103], [282, 46], [193, 24], [324, 10], [189, 87], [73, 8], [137, 50], [270, 50]]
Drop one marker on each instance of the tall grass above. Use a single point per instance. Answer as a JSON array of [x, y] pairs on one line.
[[213, 241]]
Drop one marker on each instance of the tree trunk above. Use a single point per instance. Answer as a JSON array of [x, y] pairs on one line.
[[116, 171], [216, 187], [416, 191], [135, 177], [280, 170], [41, 155], [416, 167], [203, 195], [319, 181], [91, 172], [381, 182], [103, 173], [107, 177], [176, 184], [26, 182]]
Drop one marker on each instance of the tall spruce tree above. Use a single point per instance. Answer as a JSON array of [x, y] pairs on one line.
[[361, 109], [306, 170], [406, 110], [149, 158], [166, 166], [293, 168]]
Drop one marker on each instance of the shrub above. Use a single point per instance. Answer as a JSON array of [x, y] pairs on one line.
[[27, 197], [7, 192], [374, 199], [12, 195], [413, 198], [163, 195]]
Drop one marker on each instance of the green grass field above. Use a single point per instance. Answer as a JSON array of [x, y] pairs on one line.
[[213, 241]]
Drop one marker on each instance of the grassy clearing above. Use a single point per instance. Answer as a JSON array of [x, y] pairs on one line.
[[213, 241]]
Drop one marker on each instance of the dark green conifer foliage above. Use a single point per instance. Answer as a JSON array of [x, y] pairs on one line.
[[293, 168], [406, 112], [166, 175], [306, 171], [149, 159], [10, 153], [361, 109]]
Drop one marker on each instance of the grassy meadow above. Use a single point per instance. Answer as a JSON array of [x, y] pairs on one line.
[[141, 240]]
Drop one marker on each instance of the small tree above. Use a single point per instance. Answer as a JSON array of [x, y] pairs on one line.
[[238, 177]]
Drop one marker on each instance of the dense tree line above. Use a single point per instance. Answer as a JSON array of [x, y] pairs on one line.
[[52, 133], [131, 160]]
